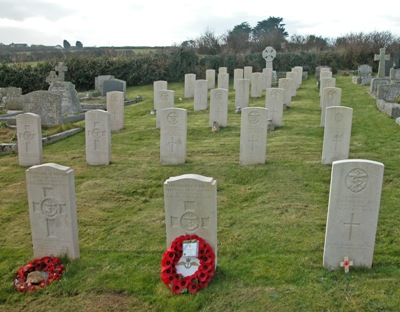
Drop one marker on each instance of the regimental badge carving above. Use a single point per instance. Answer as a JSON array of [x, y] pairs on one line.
[[218, 95], [190, 221], [172, 118], [254, 117], [356, 180], [164, 96]]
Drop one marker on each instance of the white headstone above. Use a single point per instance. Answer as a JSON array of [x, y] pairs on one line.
[[219, 107], [337, 133], [253, 135], [201, 95], [256, 84], [223, 81], [29, 136], [331, 96], [353, 210], [210, 77], [190, 80], [190, 202], [173, 136], [158, 86], [242, 93], [247, 71], [115, 106], [267, 78], [237, 74], [274, 98], [52, 210], [293, 76], [98, 137], [223, 70], [166, 100], [299, 71], [326, 82], [286, 84]]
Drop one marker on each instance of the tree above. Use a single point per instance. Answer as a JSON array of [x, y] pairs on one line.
[[238, 39], [269, 32], [66, 44], [79, 45], [208, 43]]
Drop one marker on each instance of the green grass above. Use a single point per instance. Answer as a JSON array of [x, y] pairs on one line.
[[271, 218]]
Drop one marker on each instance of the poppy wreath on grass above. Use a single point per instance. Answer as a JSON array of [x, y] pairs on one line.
[[200, 278], [38, 273]]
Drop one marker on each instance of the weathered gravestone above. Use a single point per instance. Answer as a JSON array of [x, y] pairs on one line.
[[219, 107], [29, 136], [375, 83], [200, 95], [11, 97], [269, 55], [337, 134], [190, 202], [61, 69], [190, 80], [210, 77], [158, 86], [353, 210], [381, 57], [164, 99], [46, 104], [111, 85], [286, 84], [256, 85], [274, 99], [52, 210], [237, 74], [331, 96], [70, 104], [242, 93], [99, 81], [223, 81], [253, 135], [173, 134], [98, 137], [364, 75], [115, 106]]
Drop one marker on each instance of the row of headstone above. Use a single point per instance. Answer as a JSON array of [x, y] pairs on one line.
[[108, 83]]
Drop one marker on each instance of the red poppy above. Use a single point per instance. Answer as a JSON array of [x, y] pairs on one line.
[[193, 287]]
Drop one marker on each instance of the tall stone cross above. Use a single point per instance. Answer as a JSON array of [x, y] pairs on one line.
[[381, 57], [52, 77], [269, 54], [61, 69]]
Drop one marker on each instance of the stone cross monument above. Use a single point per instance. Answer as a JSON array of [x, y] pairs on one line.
[[381, 57], [268, 55]]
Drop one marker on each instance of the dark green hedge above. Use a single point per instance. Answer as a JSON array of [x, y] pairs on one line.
[[170, 65]]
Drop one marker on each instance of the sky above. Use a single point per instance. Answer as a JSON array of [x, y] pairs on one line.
[[170, 22]]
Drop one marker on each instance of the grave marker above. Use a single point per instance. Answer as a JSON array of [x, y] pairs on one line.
[[269, 55], [223, 81], [201, 95], [210, 77], [286, 84], [242, 93], [158, 86], [237, 74], [29, 136], [219, 107], [381, 57], [331, 96], [115, 106], [190, 80], [274, 99], [98, 137], [165, 99], [256, 85]]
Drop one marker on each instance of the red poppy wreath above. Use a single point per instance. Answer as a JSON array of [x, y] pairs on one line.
[[188, 265], [38, 273]]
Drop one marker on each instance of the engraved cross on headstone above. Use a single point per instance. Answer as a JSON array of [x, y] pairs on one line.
[[337, 138], [28, 136], [61, 69], [172, 142], [351, 224], [381, 57], [252, 140], [50, 209], [189, 220], [96, 133]]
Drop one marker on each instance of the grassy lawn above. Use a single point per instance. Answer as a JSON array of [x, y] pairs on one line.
[[271, 218]]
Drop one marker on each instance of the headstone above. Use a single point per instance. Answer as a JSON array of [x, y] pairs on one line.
[[253, 135], [210, 77], [173, 133], [157, 86], [389, 93], [98, 137], [190, 202], [99, 81], [12, 98], [337, 133], [267, 78], [61, 69], [326, 82], [299, 71], [111, 85], [269, 55], [70, 104], [223, 81], [394, 76], [237, 74], [274, 99], [353, 210], [29, 136], [190, 80], [247, 71], [46, 104], [376, 82], [52, 210], [115, 106], [293, 76], [381, 57], [286, 84], [52, 77], [201, 95], [365, 74], [331, 96], [165, 99], [319, 69], [223, 70], [256, 85], [242, 93], [219, 107]]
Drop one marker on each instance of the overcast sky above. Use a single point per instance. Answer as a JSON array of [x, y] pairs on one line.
[[168, 22]]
